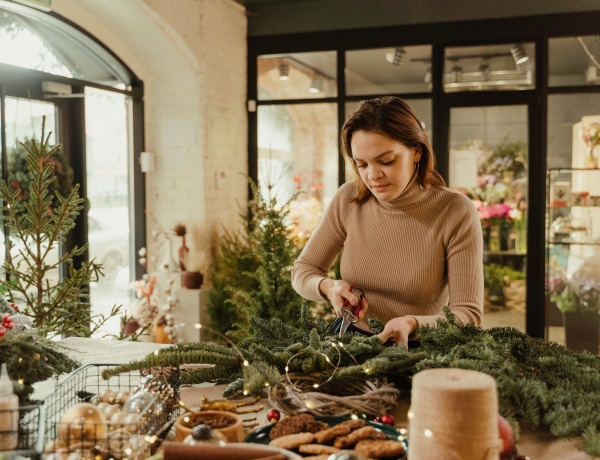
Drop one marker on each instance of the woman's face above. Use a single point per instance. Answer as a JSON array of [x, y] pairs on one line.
[[384, 165]]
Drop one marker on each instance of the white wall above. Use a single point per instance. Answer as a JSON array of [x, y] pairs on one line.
[[192, 59]]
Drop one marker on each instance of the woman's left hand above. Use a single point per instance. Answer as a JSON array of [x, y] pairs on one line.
[[398, 330]]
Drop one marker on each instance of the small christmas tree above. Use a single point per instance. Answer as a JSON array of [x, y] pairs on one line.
[[252, 276], [38, 219]]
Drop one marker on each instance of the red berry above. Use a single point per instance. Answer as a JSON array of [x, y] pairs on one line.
[[387, 419], [273, 415], [507, 436]]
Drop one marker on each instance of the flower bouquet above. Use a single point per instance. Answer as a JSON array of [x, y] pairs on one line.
[[590, 135]]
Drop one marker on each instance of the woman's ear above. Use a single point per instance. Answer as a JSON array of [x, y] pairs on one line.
[[417, 155]]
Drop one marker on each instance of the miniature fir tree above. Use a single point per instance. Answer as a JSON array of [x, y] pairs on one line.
[[38, 219], [252, 276]]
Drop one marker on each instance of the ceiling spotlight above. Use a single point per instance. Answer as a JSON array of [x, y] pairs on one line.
[[316, 85], [284, 72], [396, 57], [518, 54], [456, 73], [484, 68], [427, 77]]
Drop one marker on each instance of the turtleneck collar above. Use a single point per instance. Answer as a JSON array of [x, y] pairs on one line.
[[409, 196]]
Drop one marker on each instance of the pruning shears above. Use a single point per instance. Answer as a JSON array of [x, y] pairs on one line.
[[350, 316]]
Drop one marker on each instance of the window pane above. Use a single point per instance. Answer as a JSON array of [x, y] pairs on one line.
[[36, 40], [297, 76], [388, 70], [573, 214], [488, 162], [298, 152], [107, 172], [24, 124], [493, 67], [574, 61], [564, 111]]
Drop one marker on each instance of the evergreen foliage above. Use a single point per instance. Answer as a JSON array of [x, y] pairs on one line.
[[19, 174], [38, 219], [29, 357], [232, 265], [541, 385], [252, 276]]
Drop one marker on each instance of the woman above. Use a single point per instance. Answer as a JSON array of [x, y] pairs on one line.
[[409, 243]]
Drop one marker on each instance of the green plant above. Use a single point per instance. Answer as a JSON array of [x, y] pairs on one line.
[[252, 276], [496, 276], [38, 219], [19, 174]]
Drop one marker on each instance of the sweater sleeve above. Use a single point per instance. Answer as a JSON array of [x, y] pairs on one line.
[[464, 263], [322, 249]]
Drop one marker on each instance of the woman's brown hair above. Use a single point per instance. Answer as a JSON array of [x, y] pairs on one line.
[[393, 118]]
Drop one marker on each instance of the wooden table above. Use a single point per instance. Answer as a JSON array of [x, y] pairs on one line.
[[537, 446]]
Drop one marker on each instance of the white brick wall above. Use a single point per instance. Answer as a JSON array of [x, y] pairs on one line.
[[191, 56]]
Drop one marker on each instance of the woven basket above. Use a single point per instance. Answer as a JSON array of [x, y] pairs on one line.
[[367, 397]]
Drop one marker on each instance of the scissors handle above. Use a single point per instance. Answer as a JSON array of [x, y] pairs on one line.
[[361, 295]]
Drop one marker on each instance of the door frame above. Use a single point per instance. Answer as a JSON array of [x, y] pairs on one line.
[[536, 184]]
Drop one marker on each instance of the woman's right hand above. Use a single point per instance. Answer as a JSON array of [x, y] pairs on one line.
[[339, 290]]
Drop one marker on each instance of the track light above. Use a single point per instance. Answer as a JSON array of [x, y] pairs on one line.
[[396, 57], [427, 77], [316, 85], [484, 68], [518, 54], [456, 73], [284, 72]]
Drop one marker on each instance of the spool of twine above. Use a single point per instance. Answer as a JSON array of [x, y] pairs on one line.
[[454, 416]]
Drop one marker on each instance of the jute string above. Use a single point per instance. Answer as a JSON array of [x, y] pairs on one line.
[[454, 415]]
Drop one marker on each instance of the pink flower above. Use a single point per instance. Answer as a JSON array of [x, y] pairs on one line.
[[14, 307], [495, 211], [2, 331], [7, 321]]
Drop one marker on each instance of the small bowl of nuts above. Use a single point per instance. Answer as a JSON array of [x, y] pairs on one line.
[[227, 423]]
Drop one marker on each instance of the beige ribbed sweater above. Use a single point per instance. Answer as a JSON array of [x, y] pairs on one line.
[[411, 256]]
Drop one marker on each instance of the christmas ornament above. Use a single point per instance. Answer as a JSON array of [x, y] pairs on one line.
[[387, 419], [138, 403], [159, 386], [507, 436], [205, 434], [273, 415], [83, 422]]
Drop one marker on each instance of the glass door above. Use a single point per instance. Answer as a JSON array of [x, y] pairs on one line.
[[24, 125], [488, 162]]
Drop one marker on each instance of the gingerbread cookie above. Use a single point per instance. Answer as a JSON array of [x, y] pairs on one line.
[[379, 448], [292, 441], [300, 423], [353, 437]]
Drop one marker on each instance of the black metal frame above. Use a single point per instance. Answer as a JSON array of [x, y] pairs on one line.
[[537, 29]]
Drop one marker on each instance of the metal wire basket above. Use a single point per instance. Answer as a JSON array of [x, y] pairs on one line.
[[30, 436], [150, 413]]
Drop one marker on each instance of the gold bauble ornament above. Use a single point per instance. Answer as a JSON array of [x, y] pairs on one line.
[[82, 423]]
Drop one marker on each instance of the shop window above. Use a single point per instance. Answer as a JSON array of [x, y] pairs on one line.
[[574, 61], [503, 67], [297, 76], [400, 69], [298, 153]]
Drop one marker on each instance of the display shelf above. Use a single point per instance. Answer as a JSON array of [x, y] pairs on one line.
[[572, 247]]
